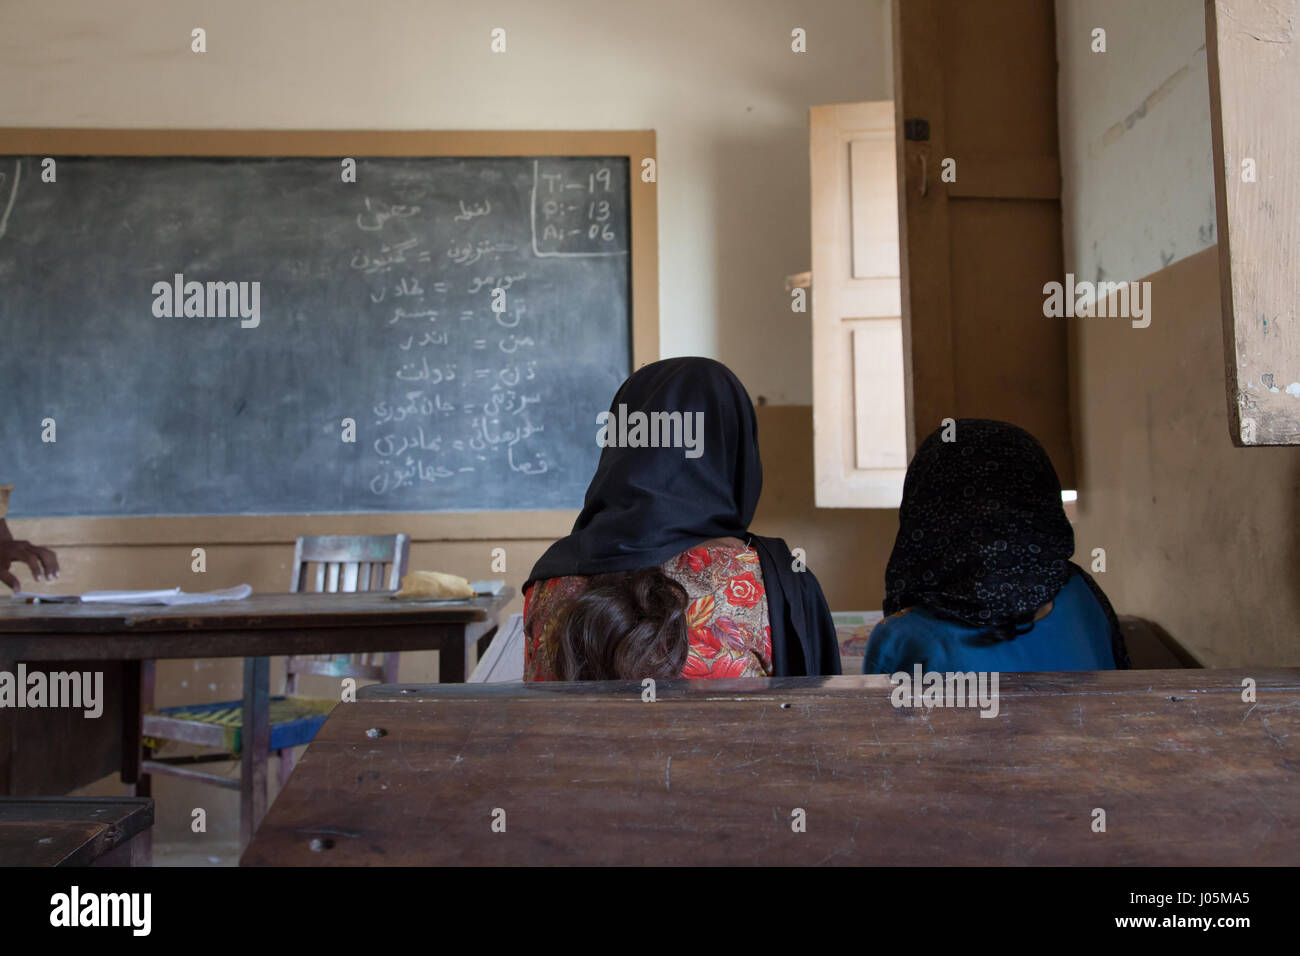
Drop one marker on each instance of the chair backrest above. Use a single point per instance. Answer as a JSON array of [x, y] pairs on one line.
[[351, 562], [344, 564]]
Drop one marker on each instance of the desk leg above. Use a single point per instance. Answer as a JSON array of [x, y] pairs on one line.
[[477, 636], [255, 746], [453, 653], [137, 700], [451, 659]]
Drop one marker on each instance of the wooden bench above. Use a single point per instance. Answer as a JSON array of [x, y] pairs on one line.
[[716, 772], [1151, 647], [74, 831]]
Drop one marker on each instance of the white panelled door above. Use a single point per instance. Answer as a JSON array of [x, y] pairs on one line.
[[859, 404]]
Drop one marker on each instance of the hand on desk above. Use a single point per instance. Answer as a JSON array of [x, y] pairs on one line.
[[42, 561]]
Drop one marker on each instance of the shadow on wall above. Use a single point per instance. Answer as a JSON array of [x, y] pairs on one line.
[[761, 237], [758, 185], [1201, 537]]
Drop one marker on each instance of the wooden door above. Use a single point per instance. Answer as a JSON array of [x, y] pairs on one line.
[[975, 85]]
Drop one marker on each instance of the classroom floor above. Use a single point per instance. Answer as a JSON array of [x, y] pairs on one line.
[[184, 854], [173, 843]]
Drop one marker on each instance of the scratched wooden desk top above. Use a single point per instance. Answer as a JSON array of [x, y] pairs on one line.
[[711, 773], [259, 625], [61, 831]]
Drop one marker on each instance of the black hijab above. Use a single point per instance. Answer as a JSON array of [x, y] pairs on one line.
[[983, 539], [647, 505]]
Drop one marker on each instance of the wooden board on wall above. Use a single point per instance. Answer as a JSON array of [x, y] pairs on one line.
[[635, 145], [1254, 61]]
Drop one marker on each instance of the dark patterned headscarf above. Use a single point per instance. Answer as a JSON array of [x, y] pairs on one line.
[[646, 505], [983, 539]]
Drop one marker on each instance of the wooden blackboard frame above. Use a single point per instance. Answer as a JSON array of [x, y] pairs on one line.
[[636, 145]]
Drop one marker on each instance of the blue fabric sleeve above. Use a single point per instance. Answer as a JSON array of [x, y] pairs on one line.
[[885, 648]]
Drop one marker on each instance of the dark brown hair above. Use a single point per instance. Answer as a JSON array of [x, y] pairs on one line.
[[626, 625]]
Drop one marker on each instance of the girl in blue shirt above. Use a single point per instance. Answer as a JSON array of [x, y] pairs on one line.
[[980, 578]]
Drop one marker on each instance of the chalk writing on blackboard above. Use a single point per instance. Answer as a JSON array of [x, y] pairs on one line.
[[470, 313], [429, 435], [13, 194], [575, 217]]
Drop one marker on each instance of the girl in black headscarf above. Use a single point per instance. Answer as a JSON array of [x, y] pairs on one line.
[[661, 576], [980, 578]]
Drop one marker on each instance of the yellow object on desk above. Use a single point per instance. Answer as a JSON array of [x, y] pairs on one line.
[[435, 585]]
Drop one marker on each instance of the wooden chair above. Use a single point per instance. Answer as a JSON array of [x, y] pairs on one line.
[[343, 563]]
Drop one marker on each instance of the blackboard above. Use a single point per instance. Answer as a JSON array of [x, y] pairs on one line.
[[470, 315]]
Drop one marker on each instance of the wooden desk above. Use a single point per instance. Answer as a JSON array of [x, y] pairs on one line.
[[255, 628], [710, 774], [68, 831]]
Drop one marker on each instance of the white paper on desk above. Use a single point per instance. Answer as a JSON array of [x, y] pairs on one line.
[[237, 593], [168, 596], [129, 597]]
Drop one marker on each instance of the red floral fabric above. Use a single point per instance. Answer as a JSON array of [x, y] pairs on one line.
[[727, 622]]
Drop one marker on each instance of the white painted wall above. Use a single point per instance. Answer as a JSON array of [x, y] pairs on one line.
[[716, 79], [1136, 163]]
